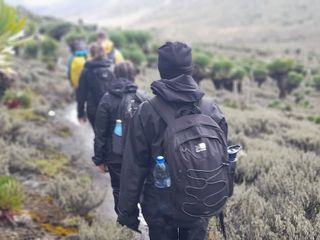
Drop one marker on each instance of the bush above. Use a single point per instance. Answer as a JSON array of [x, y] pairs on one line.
[[14, 99], [76, 195], [134, 54], [316, 82], [294, 80], [49, 47], [221, 74], [30, 29], [31, 49], [140, 38], [102, 230], [118, 38], [260, 74], [201, 59], [57, 30], [279, 67], [11, 194], [152, 60]]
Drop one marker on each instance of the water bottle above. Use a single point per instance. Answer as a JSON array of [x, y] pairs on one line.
[[161, 173], [117, 142], [232, 157], [118, 128]]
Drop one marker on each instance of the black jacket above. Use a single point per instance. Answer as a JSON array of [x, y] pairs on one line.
[[106, 117], [92, 86], [144, 137]]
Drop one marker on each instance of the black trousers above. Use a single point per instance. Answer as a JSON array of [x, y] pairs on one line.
[[170, 232], [115, 171]]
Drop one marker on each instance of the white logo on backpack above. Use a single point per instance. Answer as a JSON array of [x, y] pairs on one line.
[[201, 147]]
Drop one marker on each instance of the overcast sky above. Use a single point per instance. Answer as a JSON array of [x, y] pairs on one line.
[[33, 3]]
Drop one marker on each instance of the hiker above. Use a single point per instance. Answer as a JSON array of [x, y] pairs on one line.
[[95, 81], [170, 130], [113, 54], [122, 97], [76, 63]]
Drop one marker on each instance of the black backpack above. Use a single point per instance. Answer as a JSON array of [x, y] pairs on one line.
[[100, 82], [129, 104], [195, 150]]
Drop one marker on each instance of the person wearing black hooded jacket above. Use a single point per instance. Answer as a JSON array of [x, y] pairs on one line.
[[106, 116], [94, 82], [145, 137]]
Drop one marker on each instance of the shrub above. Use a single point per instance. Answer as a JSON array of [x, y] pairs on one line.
[[134, 54], [118, 38], [11, 194], [221, 74], [279, 69], [260, 74], [14, 99], [30, 29], [102, 230], [31, 49], [280, 66], [76, 195], [316, 82], [152, 60], [57, 30], [49, 47], [141, 38], [294, 80], [201, 58]]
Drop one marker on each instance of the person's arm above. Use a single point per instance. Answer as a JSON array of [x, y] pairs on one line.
[[102, 123], [135, 168], [82, 94]]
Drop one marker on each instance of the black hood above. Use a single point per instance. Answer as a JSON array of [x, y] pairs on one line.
[[122, 86], [182, 89], [97, 64]]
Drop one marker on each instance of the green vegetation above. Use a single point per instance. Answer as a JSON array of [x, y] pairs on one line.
[[134, 54], [316, 82], [10, 25], [279, 69], [260, 74], [11, 194], [56, 30], [14, 99], [221, 74], [77, 194], [31, 49]]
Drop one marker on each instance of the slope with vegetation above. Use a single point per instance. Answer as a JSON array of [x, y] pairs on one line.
[[270, 104]]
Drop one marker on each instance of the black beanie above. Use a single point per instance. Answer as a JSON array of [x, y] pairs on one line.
[[174, 59]]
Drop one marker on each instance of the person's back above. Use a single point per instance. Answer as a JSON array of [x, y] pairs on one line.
[[145, 141], [95, 81], [122, 97]]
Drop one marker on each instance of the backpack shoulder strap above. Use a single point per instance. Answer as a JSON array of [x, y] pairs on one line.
[[166, 112], [208, 107]]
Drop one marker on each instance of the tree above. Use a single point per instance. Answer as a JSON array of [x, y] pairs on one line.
[[279, 69], [316, 82], [221, 74], [201, 60], [259, 74], [237, 74]]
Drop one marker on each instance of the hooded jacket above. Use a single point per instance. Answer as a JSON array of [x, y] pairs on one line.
[[106, 117], [92, 86], [144, 137]]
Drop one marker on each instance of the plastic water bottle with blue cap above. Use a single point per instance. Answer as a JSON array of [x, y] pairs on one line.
[[161, 173], [117, 141]]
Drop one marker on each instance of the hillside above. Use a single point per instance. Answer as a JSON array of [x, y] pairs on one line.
[[271, 24]]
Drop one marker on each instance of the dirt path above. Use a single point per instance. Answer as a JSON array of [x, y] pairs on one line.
[[81, 147]]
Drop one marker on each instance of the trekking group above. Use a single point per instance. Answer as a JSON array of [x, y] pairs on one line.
[[167, 153]]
